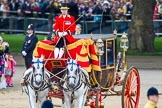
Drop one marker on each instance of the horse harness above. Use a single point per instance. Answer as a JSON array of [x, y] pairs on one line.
[[44, 85], [82, 80]]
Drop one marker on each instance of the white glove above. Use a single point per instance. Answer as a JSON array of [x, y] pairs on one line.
[[65, 33], [24, 53], [60, 34]]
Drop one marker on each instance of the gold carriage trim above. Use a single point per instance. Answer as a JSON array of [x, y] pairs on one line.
[[45, 46], [75, 44], [80, 42], [94, 57], [88, 69], [96, 68], [56, 63], [82, 59]]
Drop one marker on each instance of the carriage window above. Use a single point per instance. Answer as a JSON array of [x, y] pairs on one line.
[[107, 59], [110, 54], [103, 57]]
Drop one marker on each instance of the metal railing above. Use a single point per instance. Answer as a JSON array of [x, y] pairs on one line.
[[15, 24]]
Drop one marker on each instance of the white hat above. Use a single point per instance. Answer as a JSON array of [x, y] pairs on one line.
[[106, 2]]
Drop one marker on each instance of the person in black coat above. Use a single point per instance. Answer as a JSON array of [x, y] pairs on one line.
[[29, 45], [14, 5], [73, 6]]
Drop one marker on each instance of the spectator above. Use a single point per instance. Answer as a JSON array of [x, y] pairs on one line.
[[78, 29], [29, 45], [73, 6], [129, 9], [160, 9], [20, 20], [53, 7], [122, 12], [9, 69], [26, 8], [156, 16], [153, 97], [84, 9], [113, 11], [43, 4], [4, 8], [14, 5], [35, 9], [106, 11], [1, 58], [122, 16], [4, 48], [97, 11], [47, 104]]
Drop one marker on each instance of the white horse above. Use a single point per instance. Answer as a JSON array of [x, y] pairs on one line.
[[76, 85], [37, 83]]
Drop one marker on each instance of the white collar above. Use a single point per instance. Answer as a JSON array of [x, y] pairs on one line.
[[29, 35]]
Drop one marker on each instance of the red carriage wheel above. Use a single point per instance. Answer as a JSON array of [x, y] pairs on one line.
[[131, 89]]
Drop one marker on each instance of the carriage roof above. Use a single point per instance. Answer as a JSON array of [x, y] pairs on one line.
[[95, 36]]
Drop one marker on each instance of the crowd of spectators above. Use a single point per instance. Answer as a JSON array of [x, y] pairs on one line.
[[92, 9]]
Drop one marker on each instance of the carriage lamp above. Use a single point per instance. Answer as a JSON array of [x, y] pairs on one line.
[[124, 42], [100, 47]]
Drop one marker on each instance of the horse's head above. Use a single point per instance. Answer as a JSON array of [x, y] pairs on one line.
[[72, 72], [38, 69]]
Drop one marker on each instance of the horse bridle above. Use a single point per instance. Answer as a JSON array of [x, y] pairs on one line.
[[71, 69], [78, 83], [35, 74]]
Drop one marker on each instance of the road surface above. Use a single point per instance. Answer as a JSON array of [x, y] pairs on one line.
[[13, 97]]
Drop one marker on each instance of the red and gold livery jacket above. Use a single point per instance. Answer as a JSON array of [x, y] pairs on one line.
[[66, 24]]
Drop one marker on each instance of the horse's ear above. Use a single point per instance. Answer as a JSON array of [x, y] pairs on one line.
[[42, 57]]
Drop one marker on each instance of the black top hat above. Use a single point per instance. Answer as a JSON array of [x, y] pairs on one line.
[[152, 91], [31, 27], [64, 6]]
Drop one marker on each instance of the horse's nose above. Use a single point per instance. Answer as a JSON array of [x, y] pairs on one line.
[[71, 85]]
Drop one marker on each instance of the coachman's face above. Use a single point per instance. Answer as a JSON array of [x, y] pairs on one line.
[[64, 11], [29, 31]]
